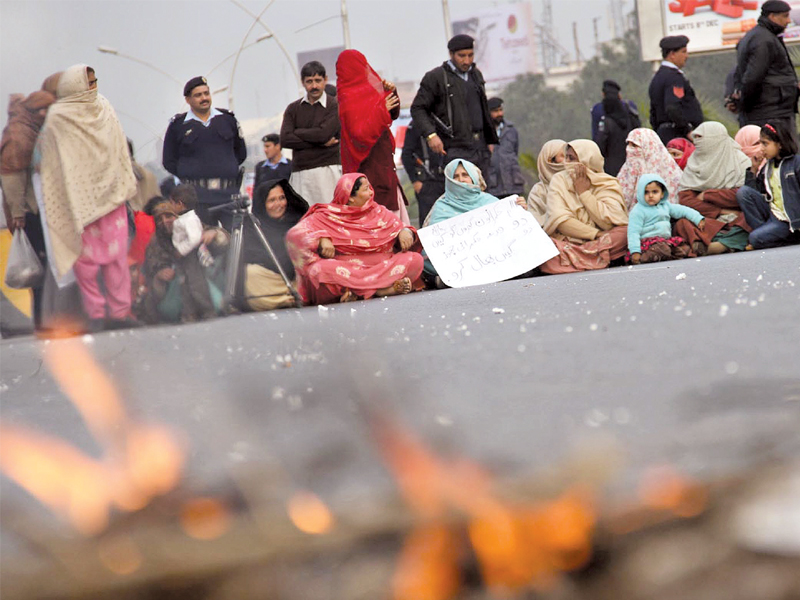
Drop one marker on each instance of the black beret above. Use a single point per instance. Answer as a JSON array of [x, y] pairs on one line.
[[460, 42], [495, 103], [609, 85], [775, 6], [674, 42], [193, 83]]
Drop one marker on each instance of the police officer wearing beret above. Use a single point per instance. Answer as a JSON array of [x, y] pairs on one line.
[[204, 147], [451, 109], [674, 108]]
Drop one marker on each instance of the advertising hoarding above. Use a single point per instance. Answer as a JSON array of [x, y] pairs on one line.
[[710, 25], [505, 41]]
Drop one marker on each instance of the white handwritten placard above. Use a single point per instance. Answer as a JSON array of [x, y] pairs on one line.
[[492, 243]]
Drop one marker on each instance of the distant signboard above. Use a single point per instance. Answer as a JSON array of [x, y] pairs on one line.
[[505, 41], [327, 56], [710, 25]]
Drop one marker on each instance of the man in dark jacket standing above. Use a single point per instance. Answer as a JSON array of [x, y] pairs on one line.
[[505, 176], [451, 109], [674, 108], [765, 78], [424, 168]]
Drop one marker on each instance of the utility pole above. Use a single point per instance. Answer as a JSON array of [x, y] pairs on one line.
[[578, 57], [346, 26], [448, 25], [548, 51], [596, 36]]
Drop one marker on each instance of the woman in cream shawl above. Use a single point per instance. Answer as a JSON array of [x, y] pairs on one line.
[[86, 178], [550, 161], [586, 216], [715, 171]]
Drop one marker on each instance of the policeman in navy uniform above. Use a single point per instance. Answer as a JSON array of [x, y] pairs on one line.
[[674, 108], [204, 147]]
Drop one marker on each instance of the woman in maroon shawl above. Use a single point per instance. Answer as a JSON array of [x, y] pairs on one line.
[[367, 107], [353, 248]]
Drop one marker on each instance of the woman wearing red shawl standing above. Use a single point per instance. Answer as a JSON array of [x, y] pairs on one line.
[[353, 248], [367, 107]]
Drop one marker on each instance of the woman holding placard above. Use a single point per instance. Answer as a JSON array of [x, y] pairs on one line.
[[463, 192]]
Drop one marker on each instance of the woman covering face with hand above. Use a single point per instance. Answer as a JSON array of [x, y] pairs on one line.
[[586, 216], [367, 107], [353, 248]]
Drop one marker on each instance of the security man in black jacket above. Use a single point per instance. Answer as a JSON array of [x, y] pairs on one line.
[[765, 79], [204, 147], [674, 108], [424, 168], [451, 109]]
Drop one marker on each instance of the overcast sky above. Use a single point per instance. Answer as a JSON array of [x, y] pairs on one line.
[[401, 38]]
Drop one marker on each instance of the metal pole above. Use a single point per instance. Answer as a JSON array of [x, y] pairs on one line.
[[575, 37], [257, 19], [448, 26], [596, 36], [346, 26], [114, 52], [241, 47]]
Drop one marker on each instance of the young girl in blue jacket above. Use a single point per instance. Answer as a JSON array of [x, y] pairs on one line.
[[650, 236], [771, 204]]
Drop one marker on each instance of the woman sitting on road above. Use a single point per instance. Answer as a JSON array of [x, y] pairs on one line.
[[749, 138], [277, 208], [463, 192], [715, 171], [353, 248], [550, 161], [181, 288], [680, 149], [646, 155], [771, 203], [586, 216]]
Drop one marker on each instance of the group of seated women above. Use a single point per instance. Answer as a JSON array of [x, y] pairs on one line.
[[710, 194], [707, 195]]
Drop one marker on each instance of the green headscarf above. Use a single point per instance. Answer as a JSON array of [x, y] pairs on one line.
[[459, 197]]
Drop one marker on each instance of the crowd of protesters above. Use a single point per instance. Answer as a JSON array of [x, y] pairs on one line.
[[335, 217]]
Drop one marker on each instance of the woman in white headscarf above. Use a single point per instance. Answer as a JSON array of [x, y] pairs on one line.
[[86, 178], [715, 171], [550, 161]]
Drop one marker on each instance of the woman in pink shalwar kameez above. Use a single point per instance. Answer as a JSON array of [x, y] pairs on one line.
[[353, 248]]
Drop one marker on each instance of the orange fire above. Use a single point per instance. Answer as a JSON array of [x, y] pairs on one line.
[[139, 461], [517, 546], [309, 513]]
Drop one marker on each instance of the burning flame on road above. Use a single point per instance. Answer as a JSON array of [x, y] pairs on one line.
[[138, 462], [517, 546]]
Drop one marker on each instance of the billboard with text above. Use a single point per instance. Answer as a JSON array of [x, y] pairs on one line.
[[718, 24], [505, 41]]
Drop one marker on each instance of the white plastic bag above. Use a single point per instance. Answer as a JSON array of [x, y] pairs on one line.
[[187, 232], [24, 269]]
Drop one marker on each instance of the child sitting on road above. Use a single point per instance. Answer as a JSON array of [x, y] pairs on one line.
[[650, 236], [771, 204]]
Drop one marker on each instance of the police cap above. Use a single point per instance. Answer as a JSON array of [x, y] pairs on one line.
[[609, 85], [775, 6], [495, 103], [673, 42], [193, 83], [460, 42]]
